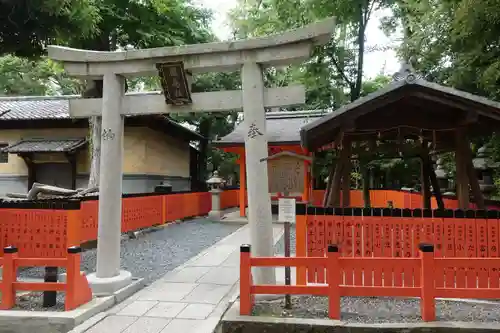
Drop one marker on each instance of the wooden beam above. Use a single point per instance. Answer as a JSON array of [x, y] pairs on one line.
[[215, 101], [462, 180]]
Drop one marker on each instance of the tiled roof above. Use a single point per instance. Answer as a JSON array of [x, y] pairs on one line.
[[45, 145], [281, 127], [30, 108]]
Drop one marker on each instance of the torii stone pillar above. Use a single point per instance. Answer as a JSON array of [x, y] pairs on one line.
[[249, 56]]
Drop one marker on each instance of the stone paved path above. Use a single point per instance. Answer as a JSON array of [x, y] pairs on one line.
[[190, 299]]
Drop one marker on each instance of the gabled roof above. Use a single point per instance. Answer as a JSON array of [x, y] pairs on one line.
[[29, 108], [412, 102], [45, 145], [281, 128]]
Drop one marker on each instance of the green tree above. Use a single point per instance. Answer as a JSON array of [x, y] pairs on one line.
[[24, 77], [138, 24], [29, 25]]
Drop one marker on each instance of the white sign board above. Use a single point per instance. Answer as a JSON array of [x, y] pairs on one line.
[[286, 210]]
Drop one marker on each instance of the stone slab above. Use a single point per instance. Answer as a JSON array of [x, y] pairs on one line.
[[187, 275], [166, 309], [207, 294], [196, 311], [221, 275], [113, 324], [147, 325], [137, 308], [166, 292]]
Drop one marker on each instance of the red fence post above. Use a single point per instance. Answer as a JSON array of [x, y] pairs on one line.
[[72, 272], [9, 276], [245, 281], [333, 274], [427, 303]]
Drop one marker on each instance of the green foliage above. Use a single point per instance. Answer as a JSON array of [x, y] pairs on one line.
[[28, 25], [23, 77], [145, 24]]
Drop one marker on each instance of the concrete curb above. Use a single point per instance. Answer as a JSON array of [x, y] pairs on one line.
[[55, 322], [233, 322]]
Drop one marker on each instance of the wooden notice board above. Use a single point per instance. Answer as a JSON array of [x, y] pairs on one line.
[[286, 174]]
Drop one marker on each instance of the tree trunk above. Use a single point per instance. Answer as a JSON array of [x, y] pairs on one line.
[[205, 129], [95, 125], [94, 90]]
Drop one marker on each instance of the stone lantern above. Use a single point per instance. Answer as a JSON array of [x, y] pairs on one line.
[[443, 177], [484, 167], [215, 184]]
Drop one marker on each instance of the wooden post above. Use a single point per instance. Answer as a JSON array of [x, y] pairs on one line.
[[329, 183], [424, 179], [245, 281], [307, 182], [429, 172], [365, 175], [344, 155], [333, 274], [471, 174], [462, 180], [346, 173], [427, 303], [72, 274], [334, 195], [9, 277], [242, 192], [435, 184]]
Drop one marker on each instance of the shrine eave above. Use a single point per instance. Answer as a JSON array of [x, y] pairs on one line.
[[405, 108]]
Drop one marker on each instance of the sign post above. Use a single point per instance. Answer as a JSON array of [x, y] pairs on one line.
[[286, 214]]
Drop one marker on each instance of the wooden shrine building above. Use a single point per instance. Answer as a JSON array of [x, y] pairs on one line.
[[411, 117], [287, 160]]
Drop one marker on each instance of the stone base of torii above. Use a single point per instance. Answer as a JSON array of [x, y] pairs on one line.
[[250, 56]]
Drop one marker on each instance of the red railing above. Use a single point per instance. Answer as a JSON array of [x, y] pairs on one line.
[[425, 277], [76, 286], [393, 233]]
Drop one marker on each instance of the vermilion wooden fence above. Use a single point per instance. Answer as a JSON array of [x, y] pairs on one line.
[[398, 198], [425, 277], [393, 233], [76, 286], [45, 229]]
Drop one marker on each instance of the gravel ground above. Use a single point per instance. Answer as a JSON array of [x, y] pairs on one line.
[[279, 248], [379, 310], [149, 256]]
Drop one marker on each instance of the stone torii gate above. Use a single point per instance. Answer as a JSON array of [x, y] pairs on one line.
[[249, 56]]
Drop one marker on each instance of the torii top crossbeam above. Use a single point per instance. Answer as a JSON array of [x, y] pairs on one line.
[[274, 50]]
